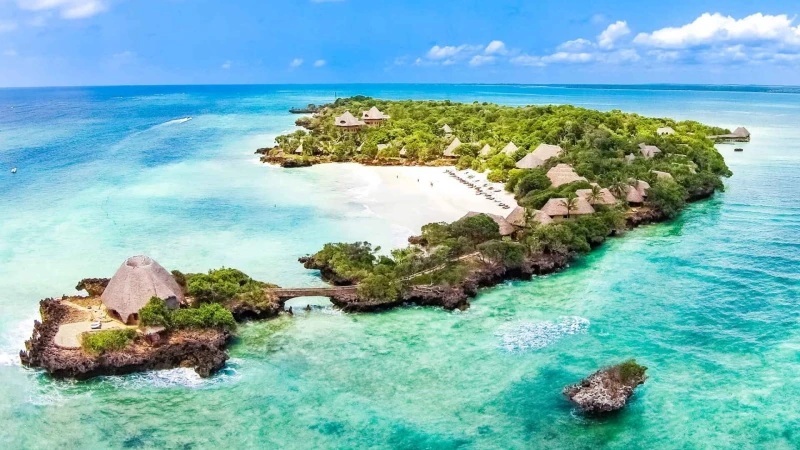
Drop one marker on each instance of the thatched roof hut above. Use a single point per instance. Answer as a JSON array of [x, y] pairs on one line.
[[563, 174], [519, 217], [740, 134], [665, 131], [637, 191], [662, 175], [403, 152], [556, 208], [347, 121], [486, 150], [606, 197], [506, 228], [373, 115], [649, 151], [137, 280], [509, 149], [448, 152], [299, 149], [538, 157], [447, 130], [383, 146]]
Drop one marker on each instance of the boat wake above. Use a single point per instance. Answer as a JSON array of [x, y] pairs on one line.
[[176, 121], [522, 336]]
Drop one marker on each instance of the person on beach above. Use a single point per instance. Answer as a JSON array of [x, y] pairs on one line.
[[290, 311]]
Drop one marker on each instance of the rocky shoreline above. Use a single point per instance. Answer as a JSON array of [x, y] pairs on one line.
[[202, 350], [290, 162]]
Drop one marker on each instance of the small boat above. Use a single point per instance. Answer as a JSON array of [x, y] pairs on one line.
[[738, 149], [95, 325], [14, 170]]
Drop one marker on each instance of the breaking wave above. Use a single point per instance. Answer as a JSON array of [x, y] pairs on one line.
[[522, 336], [176, 121]]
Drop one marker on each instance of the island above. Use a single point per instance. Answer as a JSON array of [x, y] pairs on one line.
[[557, 181], [608, 390]]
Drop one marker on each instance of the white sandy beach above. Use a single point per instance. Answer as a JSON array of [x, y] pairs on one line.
[[414, 196]]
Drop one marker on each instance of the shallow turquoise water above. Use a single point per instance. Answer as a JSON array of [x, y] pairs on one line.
[[709, 302]]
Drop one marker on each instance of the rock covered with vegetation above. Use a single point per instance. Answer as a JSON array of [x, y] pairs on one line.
[[608, 389], [119, 351]]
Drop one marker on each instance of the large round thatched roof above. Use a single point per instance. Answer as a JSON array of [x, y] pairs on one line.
[[137, 280]]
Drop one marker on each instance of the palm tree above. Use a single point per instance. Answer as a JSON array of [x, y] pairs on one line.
[[619, 188], [571, 203], [595, 196]]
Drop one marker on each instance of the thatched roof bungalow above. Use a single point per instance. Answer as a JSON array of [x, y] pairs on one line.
[[649, 151], [137, 280], [519, 217], [299, 149], [447, 130], [486, 150], [538, 157], [373, 116], [448, 152], [740, 134], [556, 208], [637, 192], [606, 197], [348, 122], [563, 174], [403, 152], [506, 229], [509, 149], [665, 131]]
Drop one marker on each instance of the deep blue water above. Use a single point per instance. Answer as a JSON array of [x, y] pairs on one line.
[[709, 301]]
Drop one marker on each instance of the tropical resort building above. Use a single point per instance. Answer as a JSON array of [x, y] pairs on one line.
[[374, 116], [299, 149], [661, 175], [637, 192], [563, 174], [403, 152], [519, 217], [739, 135], [447, 130], [449, 151], [382, 147], [665, 131], [509, 149], [538, 157], [556, 208], [649, 151], [605, 197], [486, 150], [348, 122], [136, 281], [506, 229]]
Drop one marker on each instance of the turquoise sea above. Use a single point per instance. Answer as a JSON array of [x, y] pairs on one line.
[[709, 302]]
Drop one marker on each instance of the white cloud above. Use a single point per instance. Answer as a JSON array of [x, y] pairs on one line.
[[527, 60], [451, 51], [320, 63], [7, 26], [566, 57], [612, 33], [448, 62], [576, 45], [495, 47], [715, 28], [68, 9], [479, 60], [226, 65], [297, 62]]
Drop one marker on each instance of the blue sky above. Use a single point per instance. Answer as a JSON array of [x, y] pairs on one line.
[[111, 42]]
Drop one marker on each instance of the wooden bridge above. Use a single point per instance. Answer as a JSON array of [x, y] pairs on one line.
[[284, 294]]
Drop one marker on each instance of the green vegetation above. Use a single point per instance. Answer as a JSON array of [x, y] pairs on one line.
[[99, 342], [220, 285], [630, 371], [595, 144], [207, 315]]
